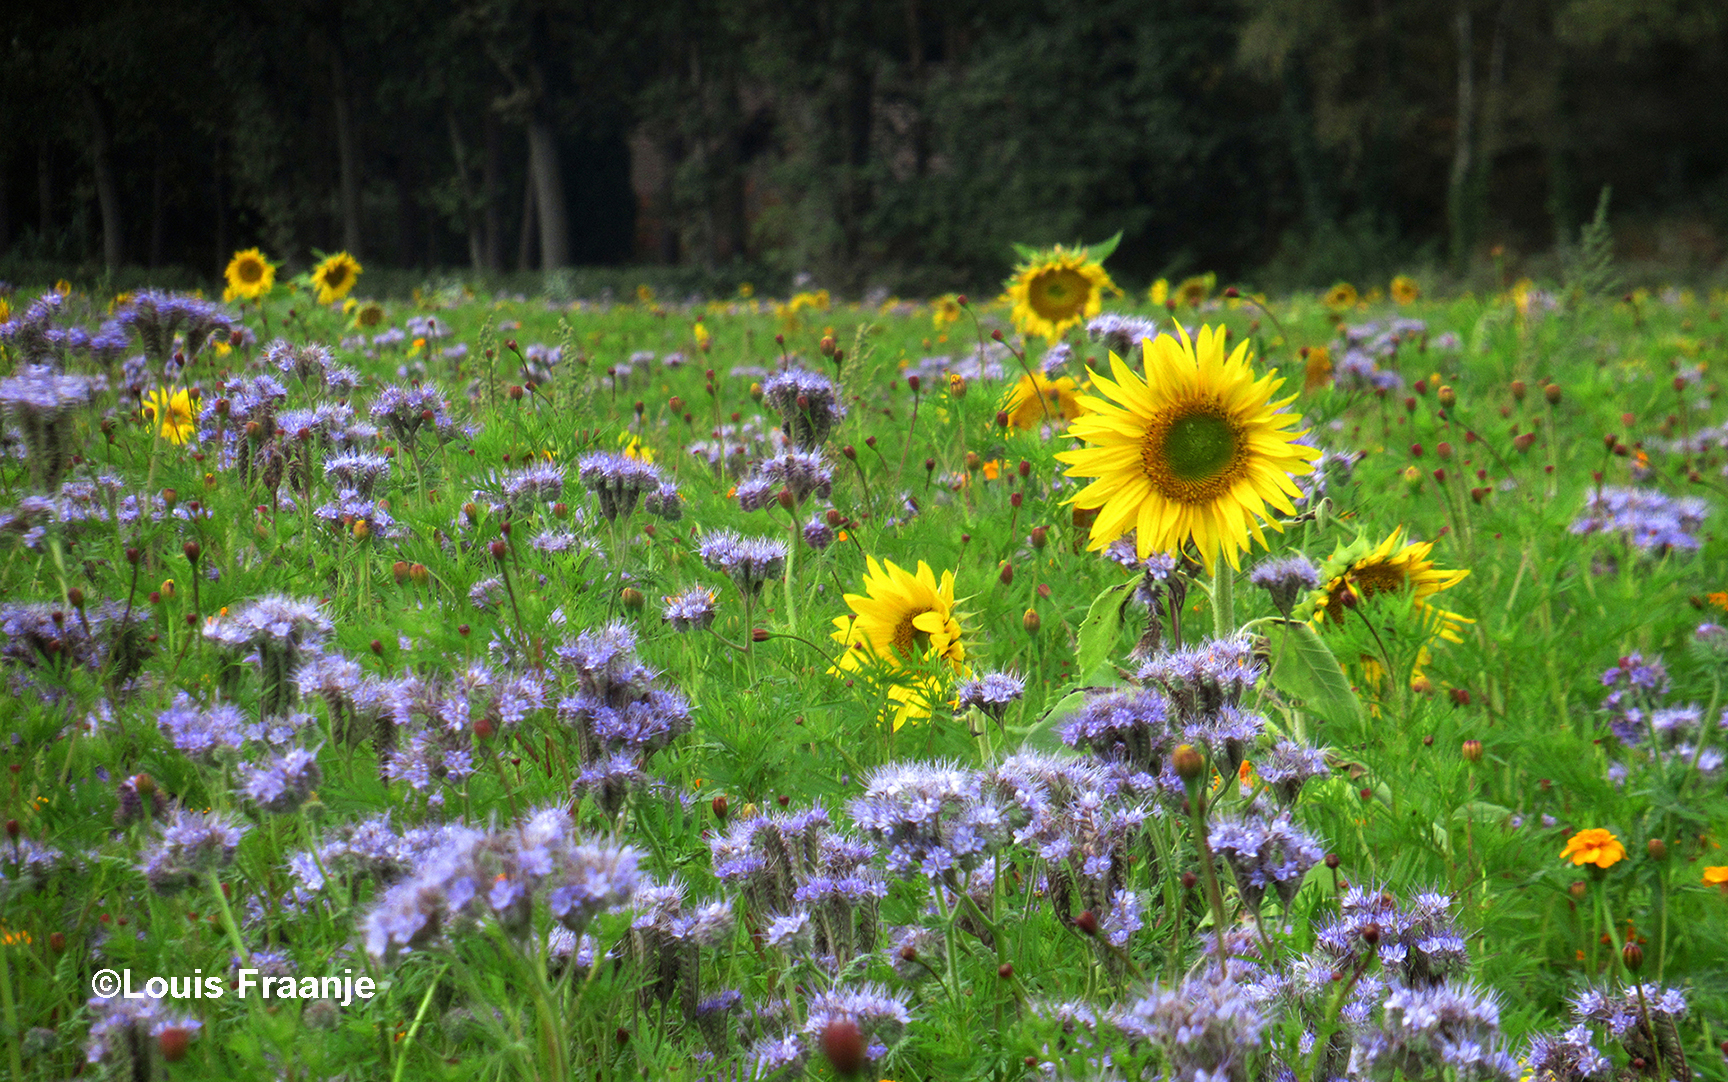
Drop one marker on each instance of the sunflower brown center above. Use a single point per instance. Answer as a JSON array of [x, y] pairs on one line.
[[251, 271], [908, 641], [1059, 294], [335, 276], [1376, 578], [1194, 452]]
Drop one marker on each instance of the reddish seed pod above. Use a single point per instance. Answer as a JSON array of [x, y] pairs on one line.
[[843, 1044], [929, 465], [1005, 970], [1632, 956], [1040, 537], [1006, 575], [499, 549], [1016, 500], [1189, 879], [1415, 450], [1371, 934], [1332, 861], [1472, 751], [172, 1043], [833, 518], [720, 805], [759, 634], [192, 552], [1087, 922], [849, 453], [1001, 418], [914, 382], [462, 630]]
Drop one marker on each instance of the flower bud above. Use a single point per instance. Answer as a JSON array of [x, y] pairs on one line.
[[192, 552], [1447, 396], [362, 529], [76, 597], [1005, 970], [1332, 861], [720, 804], [956, 385], [1087, 922], [1632, 956], [759, 634], [1524, 442], [1371, 934], [1578, 889], [1188, 761], [1001, 418], [1472, 751], [1552, 394], [1006, 575], [914, 382], [1657, 848], [1189, 879], [843, 1044], [418, 574], [170, 498], [172, 1043], [13, 829], [57, 942], [1040, 537], [632, 598], [499, 549], [1031, 622]]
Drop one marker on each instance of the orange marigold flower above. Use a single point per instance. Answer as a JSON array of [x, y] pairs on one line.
[[1594, 846], [1717, 876]]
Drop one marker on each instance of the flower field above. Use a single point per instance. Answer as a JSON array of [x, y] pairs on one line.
[[1071, 685]]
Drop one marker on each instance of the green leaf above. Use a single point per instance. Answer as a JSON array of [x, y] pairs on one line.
[[1026, 252], [1098, 635], [1104, 248], [1304, 667], [1041, 733]]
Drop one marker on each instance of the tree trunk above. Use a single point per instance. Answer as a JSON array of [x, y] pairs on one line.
[[1457, 188], [547, 177], [5, 209], [107, 185], [348, 157], [222, 248], [525, 240], [470, 213], [490, 183]]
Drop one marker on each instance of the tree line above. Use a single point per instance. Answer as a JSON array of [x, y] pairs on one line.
[[882, 139]]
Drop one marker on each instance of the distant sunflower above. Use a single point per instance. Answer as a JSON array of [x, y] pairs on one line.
[[1317, 369], [902, 619], [335, 277], [1340, 296], [1056, 290], [1196, 452], [249, 275], [1036, 400], [1193, 292], [369, 314], [1404, 290], [179, 419], [1388, 568], [945, 310]]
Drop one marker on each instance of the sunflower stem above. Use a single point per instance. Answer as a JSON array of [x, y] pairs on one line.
[[1223, 601]]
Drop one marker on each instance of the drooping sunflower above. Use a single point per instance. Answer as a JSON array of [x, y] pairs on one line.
[[249, 275], [369, 314], [1037, 400], [902, 619], [334, 277], [1057, 290], [1340, 296], [1389, 567], [179, 418], [1196, 452], [1404, 290]]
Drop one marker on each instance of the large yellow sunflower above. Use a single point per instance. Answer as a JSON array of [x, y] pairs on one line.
[[1389, 567], [179, 418], [1056, 290], [1197, 451], [249, 275], [335, 277], [1037, 400], [902, 619]]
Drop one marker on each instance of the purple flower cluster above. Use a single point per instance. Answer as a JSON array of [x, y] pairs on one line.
[[1207, 1027], [41, 400], [357, 473], [280, 631], [991, 693], [1651, 521], [750, 562], [1266, 853], [1433, 1030], [1418, 946], [1286, 578], [1571, 1056], [473, 876], [157, 317], [281, 783], [533, 486], [620, 481], [409, 411], [808, 403], [934, 818], [125, 1032], [192, 845], [692, 610], [880, 1015], [1122, 334]]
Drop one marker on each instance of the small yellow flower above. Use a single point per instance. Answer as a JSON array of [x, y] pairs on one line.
[[1404, 290], [700, 333], [1159, 293], [1594, 846]]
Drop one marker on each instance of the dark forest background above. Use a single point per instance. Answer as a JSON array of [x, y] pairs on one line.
[[897, 142]]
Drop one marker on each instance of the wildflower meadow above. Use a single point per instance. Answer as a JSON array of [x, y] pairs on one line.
[[1071, 683]]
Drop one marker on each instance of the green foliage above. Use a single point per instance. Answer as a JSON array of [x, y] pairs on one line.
[[1590, 266]]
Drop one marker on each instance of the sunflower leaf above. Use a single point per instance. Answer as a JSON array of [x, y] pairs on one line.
[[1026, 252], [1098, 635], [1303, 666], [1104, 248]]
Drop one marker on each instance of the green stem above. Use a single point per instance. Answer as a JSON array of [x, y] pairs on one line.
[[9, 1011], [414, 1027], [228, 924], [1223, 600]]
